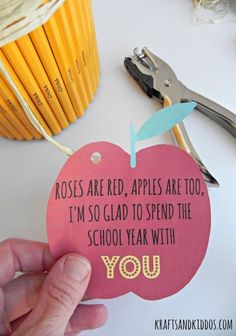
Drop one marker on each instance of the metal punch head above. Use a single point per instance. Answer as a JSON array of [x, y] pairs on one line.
[[152, 74], [141, 72], [158, 80]]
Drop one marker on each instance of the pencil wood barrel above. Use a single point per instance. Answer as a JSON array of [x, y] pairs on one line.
[[53, 64]]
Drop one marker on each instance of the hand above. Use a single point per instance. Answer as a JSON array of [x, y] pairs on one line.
[[45, 300]]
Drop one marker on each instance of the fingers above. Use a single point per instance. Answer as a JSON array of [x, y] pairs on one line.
[[23, 255], [61, 293], [87, 317], [21, 294], [4, 324]]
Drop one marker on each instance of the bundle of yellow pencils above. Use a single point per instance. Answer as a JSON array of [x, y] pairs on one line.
[[55, 67]]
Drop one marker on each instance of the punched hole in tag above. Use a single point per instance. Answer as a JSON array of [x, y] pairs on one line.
[[96, 158]]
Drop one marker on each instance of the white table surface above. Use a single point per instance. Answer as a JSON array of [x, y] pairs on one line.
[[204, 58]]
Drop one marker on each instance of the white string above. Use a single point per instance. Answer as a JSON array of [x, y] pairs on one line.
[[18, 18], [8, 6], [218, 9], [68, 151]]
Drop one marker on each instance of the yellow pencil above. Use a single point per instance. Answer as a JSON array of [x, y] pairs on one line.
[[5, 121], [82, 57], [57, 45], [76, 7], [44, 51], [24, 93], [31, 57], [15, 58], [65, 32], [93, 32], [5, 132], [15, 106], [10, 115], [87, 9]]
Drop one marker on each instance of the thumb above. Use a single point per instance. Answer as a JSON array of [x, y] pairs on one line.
[[62, 291]]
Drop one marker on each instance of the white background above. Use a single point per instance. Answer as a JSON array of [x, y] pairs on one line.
[[203, 57]]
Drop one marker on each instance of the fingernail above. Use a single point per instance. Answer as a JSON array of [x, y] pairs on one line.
[[77, 267]]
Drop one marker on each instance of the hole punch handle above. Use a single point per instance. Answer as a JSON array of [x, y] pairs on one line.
[[214, 111]]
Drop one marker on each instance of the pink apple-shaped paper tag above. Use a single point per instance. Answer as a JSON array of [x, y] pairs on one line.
[[144, 229]]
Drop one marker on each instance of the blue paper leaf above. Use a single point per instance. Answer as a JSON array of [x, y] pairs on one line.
[[164, 119]]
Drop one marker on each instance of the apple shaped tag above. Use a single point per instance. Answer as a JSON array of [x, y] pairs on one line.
[[144, 227]]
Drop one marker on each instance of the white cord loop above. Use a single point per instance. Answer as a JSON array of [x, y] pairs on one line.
[[68, 151], [211, 11], [20, 17]]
